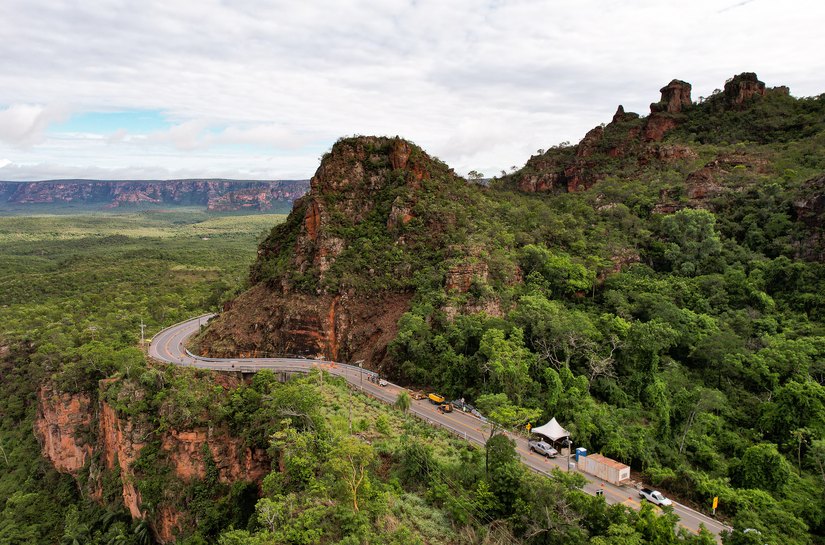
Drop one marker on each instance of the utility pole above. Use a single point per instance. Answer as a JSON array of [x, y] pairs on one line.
[[142, 335]]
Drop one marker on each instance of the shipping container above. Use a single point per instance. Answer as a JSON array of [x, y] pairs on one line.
[[604, 468]]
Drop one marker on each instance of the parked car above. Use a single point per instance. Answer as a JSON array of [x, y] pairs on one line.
[[461, 405], [382, 382], [540, 447], [654, 497]]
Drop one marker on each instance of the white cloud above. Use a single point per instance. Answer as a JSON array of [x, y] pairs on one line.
[[24, 125], [481, 85]]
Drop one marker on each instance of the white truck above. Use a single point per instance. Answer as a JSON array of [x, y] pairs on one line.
[[654, 496]]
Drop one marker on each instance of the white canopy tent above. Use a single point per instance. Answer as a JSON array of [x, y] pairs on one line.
[[552, 430]]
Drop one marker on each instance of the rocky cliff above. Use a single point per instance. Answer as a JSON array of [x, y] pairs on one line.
[[215, 195], [88, 439], [333, 280], [630, 144]]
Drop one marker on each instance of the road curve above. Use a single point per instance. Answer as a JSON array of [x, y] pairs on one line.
[[169, 346]]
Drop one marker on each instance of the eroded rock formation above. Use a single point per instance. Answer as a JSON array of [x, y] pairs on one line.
[[675, 98], [364, 179], [78, 435], [743, 87]]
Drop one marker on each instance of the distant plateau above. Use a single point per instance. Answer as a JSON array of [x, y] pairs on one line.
[[215, 195]]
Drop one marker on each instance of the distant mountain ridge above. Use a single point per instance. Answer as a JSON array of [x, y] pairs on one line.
[[216, 195]]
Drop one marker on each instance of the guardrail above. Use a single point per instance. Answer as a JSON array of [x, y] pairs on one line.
[[353, 368]]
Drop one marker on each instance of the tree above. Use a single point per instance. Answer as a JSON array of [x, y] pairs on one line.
[[504, 472], [475, 176], [508, 361], [693, 242], [794, 406], [705, 400], [558, 334], [350, 462], [763, 467], [270, 513], [403, 402], [503, 414], [565, 277], [817, 457], [74, 531]]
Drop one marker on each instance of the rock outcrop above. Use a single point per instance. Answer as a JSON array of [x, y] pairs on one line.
[[629, 144], [340, 327], [304, 302], [61, 418], [675, 98], [742, 88], [719, 175], [85, 439]]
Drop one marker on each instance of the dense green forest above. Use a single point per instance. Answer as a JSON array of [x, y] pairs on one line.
[[354, 470], [669, 312], [74, 290]]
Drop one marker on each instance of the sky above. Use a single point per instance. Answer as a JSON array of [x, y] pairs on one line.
[[261, 89]]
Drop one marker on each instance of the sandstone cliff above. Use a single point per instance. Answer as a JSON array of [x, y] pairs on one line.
[[87, 438], [630, 144], [333, 280], [215, 195]]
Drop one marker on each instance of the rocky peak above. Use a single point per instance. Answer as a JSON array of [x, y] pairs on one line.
[[334, 278], [741, 88], [349, 188], [622, 117], [675, 97]]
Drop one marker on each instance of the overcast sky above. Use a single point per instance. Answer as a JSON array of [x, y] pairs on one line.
[[260, 90]]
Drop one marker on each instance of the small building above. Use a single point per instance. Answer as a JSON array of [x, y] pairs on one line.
[[604, 468]]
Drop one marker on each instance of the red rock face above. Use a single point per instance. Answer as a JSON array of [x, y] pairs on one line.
[[400, 154], [656, 127], [233, 460], [671, 153], [589, 143], [675, 98], [63, 425], [715, 177], [460, 277], [344, 327], [742, 88], [810, 210], [121, 444], [60, 420], [312, 220]]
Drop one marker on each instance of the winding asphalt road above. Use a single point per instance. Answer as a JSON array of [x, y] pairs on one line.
[[170, 346]]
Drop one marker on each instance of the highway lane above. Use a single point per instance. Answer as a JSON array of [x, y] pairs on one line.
[[169, 346]]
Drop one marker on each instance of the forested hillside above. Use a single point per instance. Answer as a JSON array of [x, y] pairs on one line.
[[207, 458], [657, 288]]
